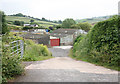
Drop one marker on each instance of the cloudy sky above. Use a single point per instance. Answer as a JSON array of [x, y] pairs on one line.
[[60, 9]]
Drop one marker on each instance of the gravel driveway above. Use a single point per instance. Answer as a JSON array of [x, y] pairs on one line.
[[64, 69]]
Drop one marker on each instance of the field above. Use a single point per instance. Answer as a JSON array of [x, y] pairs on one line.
[[93, 20], [27, 20]]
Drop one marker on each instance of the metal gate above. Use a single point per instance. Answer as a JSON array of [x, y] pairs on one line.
[[17, 48]]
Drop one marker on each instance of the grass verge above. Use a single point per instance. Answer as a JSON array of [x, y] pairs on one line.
[[90, 61]]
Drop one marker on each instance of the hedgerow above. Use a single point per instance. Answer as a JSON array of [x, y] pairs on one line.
[[101, 45]]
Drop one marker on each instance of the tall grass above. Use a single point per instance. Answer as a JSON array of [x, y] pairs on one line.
[[35, 52]]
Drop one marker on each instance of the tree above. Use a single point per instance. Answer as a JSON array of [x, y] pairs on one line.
[[43, 19], [19, 23], [58, 26], [31, 20], [84, 26], [27, 27], [60, 22], [3, 23], [67, 23], [55, 21], [19, 14]]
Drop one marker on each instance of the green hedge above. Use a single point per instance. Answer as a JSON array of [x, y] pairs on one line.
[[101, 45]]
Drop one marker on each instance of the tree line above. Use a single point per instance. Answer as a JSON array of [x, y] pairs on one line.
[[67, 23], [70, 23], [42, 19]]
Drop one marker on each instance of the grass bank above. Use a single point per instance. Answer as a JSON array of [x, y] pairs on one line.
[[90, 61]]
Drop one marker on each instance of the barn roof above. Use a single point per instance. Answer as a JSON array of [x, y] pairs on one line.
[[34, 36], [58, 35], [63, 32]]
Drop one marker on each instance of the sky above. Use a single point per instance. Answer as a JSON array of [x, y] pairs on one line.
[[60, 9]]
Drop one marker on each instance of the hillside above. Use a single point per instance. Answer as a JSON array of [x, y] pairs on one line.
[[94, 19], [27, 20]]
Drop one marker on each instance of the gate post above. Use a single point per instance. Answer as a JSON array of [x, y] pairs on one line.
[[22, 47]]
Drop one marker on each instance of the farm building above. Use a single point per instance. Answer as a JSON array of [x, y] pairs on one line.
[[31, 25], [54, 41], [38, 38], [66, 36], [38, 31]]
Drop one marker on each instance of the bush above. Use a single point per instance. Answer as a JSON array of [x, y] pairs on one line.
[[58, 26], [19, 23], [27, 27], [101, 45], [10, 65], [35, 52]]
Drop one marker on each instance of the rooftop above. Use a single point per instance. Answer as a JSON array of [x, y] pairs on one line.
[[63, 32], [34, 36]]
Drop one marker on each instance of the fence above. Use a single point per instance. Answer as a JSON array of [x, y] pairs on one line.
[[17, 48]]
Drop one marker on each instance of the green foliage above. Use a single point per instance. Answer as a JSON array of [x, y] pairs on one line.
[[31, 20], [6, 39], [79, 38], [58, 26], [104, 38], [34, 23], [27, 27], [35, 52], [101, 45], [60, 22], [3, 23], [10, 64], [67, 23], [43, 19], [19, 23], [19, 15], [84, 26]]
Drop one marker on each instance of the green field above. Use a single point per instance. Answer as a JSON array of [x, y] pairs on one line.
[[93, 20], [27, 20], [90, 21]]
